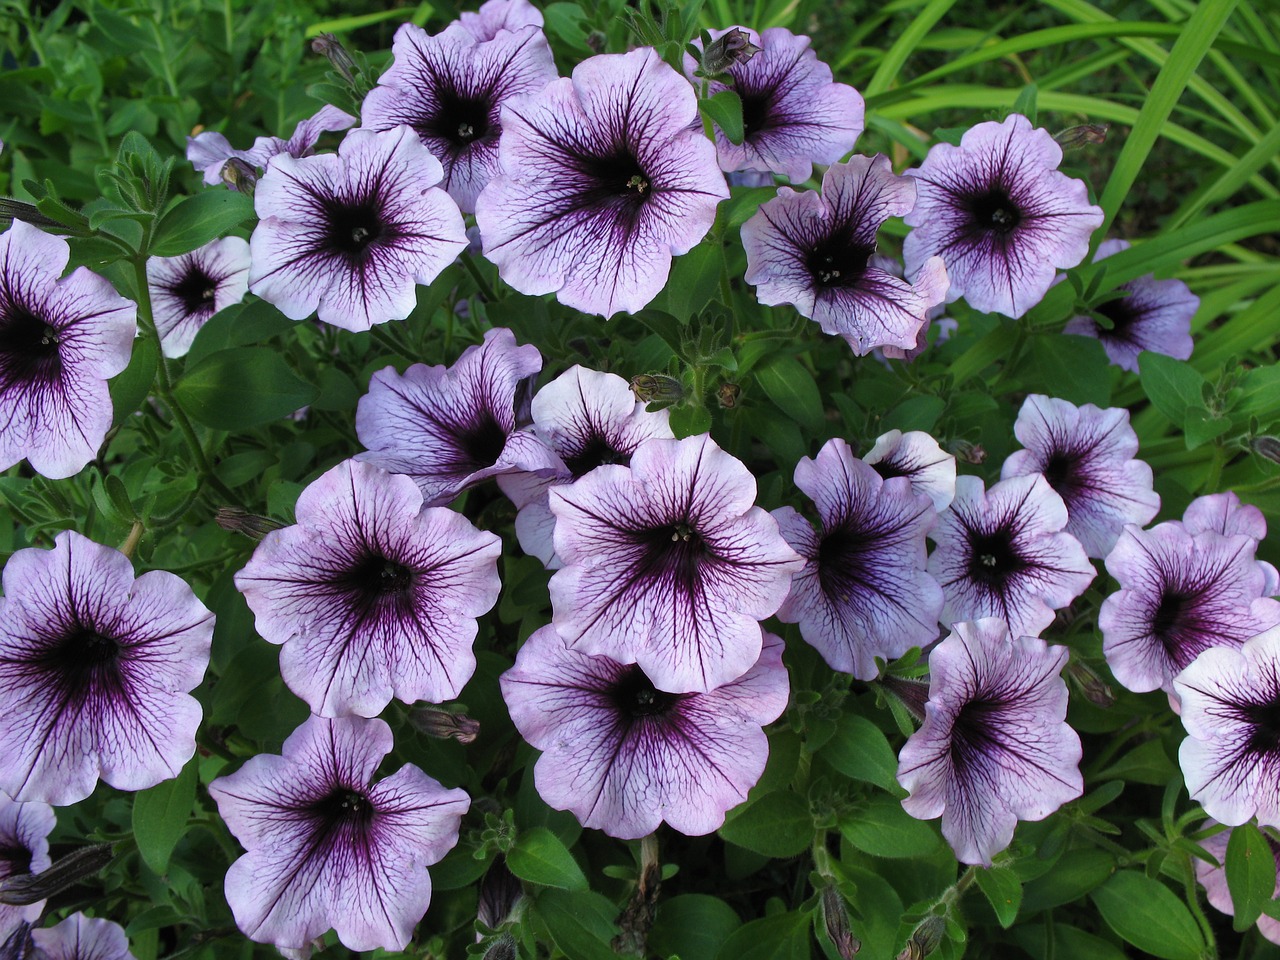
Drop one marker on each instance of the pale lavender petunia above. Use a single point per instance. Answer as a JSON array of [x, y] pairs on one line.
[[669, 564], [95, 672], [793, 114], [1180, 593], [995, 747], [352, 234], [450, 88], [816, 252], [625, 756], [1224, 513], [330, 847], [1000, 214], [209, 151], [918, 457], [495, 15], [1004, 552], [1087, 455], [189, 289], [61, 340], [372, 595], [1154, 315], [1214, 880], [602, 179], [449, 428], [588, 419], [83, 938], [24, 849], [863, 592]]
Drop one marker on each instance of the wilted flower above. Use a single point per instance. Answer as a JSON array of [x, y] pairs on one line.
[[353, 233], [734, 47], [24, 889], [209, 151], [816, 252], [995, 747], [83, 938], [656, 388], [60, 341], [329, 847], [495, 15], [918, 457], [95, 667], [189, 289], [625, 756], [1000, 214], [602, 178], [24, 849], [1214, 880]]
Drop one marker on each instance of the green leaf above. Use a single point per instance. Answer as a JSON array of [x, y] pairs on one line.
[[1004, 890], [197, 220], [694, 280], [242, 387], [238, 326], [1073, 368], [692, 926], [581, 924], [131, 386], [777, 824], [883, 829], [790, 386], [782, 937], [686, 421], [1251, 874], [539, 857], [1147, 763], [1201, 426], [160, 816], [725, 111], [1075, 874], [1067, 942], [1260, 391], [1026, 105], [859, 749], [1172, 386], [1147, 914]]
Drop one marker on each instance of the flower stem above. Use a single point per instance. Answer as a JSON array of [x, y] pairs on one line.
[[486, 291], [1193, 901], [131, 542]]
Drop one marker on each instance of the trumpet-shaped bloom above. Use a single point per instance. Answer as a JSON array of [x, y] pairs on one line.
[[918, 457], [1004, 552], [815, 251], [793, 114], [495, 15], [1214, 880], [625, 756], [863, 592], [351, 234], [189, 289], [60, 341], [209, 151], [1000, 214], [1154, 315], [450, 428], [83, 938], [450, 88], [601, 179], [330, 847], [372, 595], [95, 669], [24, 848], [669, 564], [1086, 454], [994, 747], [1180, 594]]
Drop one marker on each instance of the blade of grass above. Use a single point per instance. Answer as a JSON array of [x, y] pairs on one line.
[[1235, 177], [902, 48]]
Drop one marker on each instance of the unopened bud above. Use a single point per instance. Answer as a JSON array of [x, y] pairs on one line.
[[1096, 690], [732, 49], [443, 724], [499, 893], [239, 520], [924, 939], [1268, 447], [504, 948], [239, 175], [27, 213], [329, 47], [728, 395], [967, 452], [656, 388], [835, 917], [1084, 135], [913, 693], [23, 889]]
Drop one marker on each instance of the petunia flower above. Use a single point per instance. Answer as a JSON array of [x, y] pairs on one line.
[[588, 419], [793, 114], [1154, 315], [24, 848], [1180, 593], [625, 756], [209, 151], [495, 15], [95, 670], [815, 251], [994, 747], [669, 564], [61, 340], [189, 289], [1224, 513], [1000, 214], [1086, 454], [1230, 701], [918, 457], [1214, 880], [449, 428], [330, 847], [372, 595], [351, 234], [1004, 552], [450, 88], [83, 938], [602, 178], [863, 592]]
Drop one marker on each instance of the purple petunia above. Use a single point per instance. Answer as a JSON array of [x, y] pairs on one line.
[[450, 88], [918, 457], [669, 564], [995, 747], [189, 289], [1000, 214], [449, 428], [625, 756], [60, 341], [495, 15], [793, 114], [815, 251], [1086, 454], [372, 595], [588, 419], [1214, 880], [1003, 552], [209, 151], [82, 938], [1154, 315], [863, 592], [24, 848], [95, 670], [330, 847], [602, 179], [351, 234]]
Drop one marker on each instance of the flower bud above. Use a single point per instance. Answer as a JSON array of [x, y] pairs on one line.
[[728, 395], [239, 175], [1096, 690], [912, 693], [239, 520], [924, 939], [835, 917], [328, 46], [444, 724], [499, 893], [1084, 135], [733, 49], [1266, 446], [967, 452], [22, 889], [656, 388]]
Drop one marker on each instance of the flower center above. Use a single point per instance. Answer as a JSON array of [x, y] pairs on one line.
[[1264, 738], [635, 696], [993, 558], [596, 452], [839, 262], [974, 733], [378, 577], [994, 210], [841, 562], [342, 808], [756, 106], [196, 290], [14, 859], [1121, 314], [460, 118], [483, 441], [28, 346], [355, 227], [85, 660], [1060, 470]]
